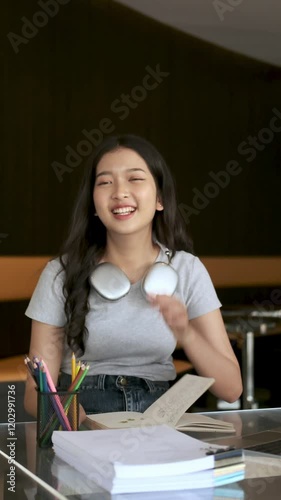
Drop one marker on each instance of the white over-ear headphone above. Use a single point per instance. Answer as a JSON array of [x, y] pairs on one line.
[[111, 283]]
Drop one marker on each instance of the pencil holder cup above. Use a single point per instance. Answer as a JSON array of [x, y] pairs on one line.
[[56, 411]]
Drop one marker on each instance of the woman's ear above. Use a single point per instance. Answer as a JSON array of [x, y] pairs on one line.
[[159, 205]]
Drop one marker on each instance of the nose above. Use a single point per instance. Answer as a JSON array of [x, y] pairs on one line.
[[120, 191]]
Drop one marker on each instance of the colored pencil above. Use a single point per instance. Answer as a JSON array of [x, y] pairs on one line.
[[61, 414], [73, 367], [41, 375], [30, 369]]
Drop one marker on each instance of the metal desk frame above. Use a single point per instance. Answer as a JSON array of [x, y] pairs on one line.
[[243, 319]]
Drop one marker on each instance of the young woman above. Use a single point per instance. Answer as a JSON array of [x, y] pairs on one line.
[[126, 215]]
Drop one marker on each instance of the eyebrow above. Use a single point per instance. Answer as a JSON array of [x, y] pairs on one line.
[[107, 172]]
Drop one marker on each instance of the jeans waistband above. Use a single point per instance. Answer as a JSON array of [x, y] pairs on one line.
[[104, 381]]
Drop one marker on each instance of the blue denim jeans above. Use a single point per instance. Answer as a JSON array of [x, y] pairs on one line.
[[105, 393]]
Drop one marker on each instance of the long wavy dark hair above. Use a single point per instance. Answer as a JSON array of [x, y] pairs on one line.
[[86, 239]]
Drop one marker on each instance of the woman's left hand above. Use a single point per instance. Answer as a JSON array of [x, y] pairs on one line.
[[174, 313]]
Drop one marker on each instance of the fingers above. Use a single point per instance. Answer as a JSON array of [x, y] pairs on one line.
[[167, 305], [161, 301], [173, 311]]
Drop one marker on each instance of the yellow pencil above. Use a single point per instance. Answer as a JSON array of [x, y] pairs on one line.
[[77, 368], [73, 367]]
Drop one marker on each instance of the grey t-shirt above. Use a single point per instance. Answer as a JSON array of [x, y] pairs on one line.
[[127, 336]]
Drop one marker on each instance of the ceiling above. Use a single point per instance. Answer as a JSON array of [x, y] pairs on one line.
[[249, 27]]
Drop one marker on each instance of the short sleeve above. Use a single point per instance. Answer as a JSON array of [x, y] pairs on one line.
[[202, 297], [47, 302]]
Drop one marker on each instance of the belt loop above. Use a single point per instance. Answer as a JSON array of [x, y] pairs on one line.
[[150, 385], [101, 381]]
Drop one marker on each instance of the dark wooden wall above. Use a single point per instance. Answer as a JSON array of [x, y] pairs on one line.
[[66, 77]]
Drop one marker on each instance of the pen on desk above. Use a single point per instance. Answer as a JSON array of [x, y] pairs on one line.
[[221, 450]]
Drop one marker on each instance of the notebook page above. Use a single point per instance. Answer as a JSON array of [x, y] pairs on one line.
[[202, 422], [172, 405]]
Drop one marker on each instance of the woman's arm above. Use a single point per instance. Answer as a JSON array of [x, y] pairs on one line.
[[47, 342], [206, 343], [208, 348]]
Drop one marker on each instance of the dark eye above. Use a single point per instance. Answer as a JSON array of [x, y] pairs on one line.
[[102, 183], [136, 179]]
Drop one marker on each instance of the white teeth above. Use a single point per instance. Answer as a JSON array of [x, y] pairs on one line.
[[125, 210]]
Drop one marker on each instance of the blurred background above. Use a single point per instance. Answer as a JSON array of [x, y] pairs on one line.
[[201, 80]]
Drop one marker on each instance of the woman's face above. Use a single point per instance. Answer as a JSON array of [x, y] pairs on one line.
[[125, 194]]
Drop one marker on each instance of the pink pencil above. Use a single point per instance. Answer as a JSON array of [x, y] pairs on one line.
[[57, 399]]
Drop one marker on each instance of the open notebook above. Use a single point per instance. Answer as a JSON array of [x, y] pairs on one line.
[[169, 409]]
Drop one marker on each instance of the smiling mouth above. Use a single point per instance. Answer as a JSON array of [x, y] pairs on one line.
[[123, 211]]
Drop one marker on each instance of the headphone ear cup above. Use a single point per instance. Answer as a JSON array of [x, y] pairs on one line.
[[161, 279], [109, 281]]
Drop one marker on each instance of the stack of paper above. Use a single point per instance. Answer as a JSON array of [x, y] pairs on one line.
[[148, 459]]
